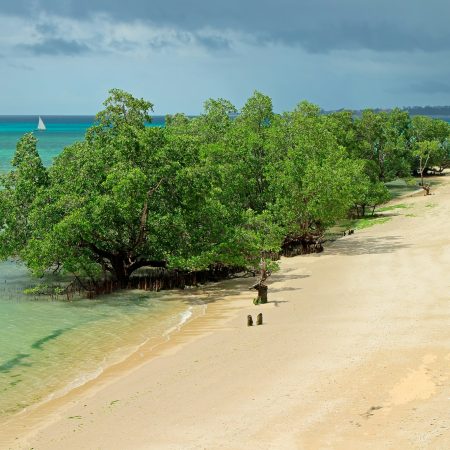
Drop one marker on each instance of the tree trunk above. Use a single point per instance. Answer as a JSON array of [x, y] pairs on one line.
[[121, 273], [262, 293]]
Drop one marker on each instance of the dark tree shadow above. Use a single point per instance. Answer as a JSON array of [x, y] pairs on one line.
[[356, 245], [53, 335], [287, 277], [18, 360], [283, 289], [277, 302]]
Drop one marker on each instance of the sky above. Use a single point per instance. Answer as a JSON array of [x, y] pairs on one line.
[[62, 56]]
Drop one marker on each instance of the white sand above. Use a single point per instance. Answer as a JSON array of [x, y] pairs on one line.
[[354, 354]]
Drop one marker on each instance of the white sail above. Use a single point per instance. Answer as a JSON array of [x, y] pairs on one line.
[[41, 125]]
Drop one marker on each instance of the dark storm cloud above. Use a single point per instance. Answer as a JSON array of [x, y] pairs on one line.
[[316, 25], [56, 46]]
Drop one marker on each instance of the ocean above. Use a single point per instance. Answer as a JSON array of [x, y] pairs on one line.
[[61, 132], [49, 346]]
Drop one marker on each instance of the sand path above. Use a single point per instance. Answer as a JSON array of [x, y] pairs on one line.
[[354, 354]]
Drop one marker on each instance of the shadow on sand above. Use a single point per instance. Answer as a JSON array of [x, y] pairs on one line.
[[278, 302], [355, 245]]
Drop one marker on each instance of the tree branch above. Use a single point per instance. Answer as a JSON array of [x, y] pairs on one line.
[[144, 216], [144, 262]]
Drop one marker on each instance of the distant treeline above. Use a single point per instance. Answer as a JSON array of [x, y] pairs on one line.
[[221, 191], [433, 111], [428, 110]]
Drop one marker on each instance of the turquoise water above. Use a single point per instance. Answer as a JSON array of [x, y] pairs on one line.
[[48, 347], [61, 132]]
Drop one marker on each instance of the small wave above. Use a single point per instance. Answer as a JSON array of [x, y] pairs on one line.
[[119, 355], [116, 357], [184, 317], [77, 382]]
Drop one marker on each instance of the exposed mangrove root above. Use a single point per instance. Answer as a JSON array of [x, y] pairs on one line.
[[159, 278], [151, 279], [301, 245]]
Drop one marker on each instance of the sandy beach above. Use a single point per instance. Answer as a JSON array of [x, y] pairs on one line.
[[354, 353]]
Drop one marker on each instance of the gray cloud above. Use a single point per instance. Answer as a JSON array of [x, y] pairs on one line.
[[213, 42], [337, 53], [46, 28], [56, 46], [123, 45], [316, 25], [431, 87]]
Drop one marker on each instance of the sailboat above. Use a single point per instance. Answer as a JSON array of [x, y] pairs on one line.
[[41, 125]]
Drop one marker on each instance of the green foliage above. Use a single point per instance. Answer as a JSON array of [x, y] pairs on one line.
[[221, 189], [18, 190], [430, 144], [368, 193], [310, 180], [45, 289]]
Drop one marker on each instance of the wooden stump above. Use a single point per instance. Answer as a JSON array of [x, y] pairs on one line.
[[262, 293], [259, 319], [249, 321]]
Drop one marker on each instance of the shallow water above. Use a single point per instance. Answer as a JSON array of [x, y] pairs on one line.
[[48, 347]]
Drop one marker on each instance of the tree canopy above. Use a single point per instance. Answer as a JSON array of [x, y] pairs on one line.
[[225, 188]]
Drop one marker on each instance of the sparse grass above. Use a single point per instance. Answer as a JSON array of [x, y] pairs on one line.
[[391, 207], [367, 222], [410, 215], [363, 222], [431, 205]]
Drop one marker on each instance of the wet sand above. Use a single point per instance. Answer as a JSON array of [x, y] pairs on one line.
[[354, 353]]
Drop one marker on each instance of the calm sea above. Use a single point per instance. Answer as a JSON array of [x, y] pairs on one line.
[[61, 131], [48, 347]]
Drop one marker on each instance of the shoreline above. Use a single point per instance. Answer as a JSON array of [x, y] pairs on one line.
[[117, 357], [343, 360], [70, 343], [172, 341]]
